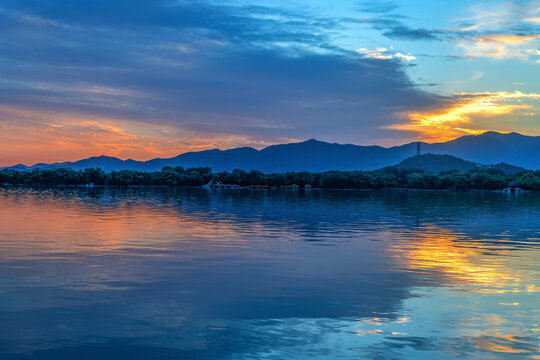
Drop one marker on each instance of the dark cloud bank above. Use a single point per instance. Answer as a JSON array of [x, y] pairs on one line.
[[202, 66]]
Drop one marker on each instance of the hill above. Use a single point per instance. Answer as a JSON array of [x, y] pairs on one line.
[[437, 163], [507, 168]]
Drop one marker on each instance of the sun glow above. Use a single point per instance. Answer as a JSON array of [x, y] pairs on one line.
[[58, 136], [449, 123]]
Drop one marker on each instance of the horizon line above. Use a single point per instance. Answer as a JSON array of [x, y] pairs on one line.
[[277, 144]]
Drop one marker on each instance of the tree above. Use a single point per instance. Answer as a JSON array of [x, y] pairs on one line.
[[528, 181]]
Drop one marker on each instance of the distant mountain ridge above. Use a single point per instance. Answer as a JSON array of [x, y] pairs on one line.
[[316, 156]]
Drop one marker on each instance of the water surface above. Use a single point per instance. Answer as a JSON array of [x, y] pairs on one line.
[[263, 274]]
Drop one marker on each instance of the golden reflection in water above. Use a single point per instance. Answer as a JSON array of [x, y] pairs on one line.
[[509, 344], [463, 263], [471, 266]]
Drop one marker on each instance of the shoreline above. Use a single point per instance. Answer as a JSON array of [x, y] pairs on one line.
[[238, 187]]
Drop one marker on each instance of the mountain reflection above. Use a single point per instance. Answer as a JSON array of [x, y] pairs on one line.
[[244, 274]]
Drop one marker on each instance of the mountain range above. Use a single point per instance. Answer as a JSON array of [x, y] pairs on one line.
[[316, 156]]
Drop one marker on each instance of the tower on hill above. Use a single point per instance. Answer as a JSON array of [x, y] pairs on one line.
[[418, 149]]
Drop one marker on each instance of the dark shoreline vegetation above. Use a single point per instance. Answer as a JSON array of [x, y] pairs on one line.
[[387, 178]]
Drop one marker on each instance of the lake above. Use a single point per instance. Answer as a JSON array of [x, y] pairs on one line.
[[268, 274]]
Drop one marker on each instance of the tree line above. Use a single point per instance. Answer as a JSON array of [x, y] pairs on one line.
[[386, 178]]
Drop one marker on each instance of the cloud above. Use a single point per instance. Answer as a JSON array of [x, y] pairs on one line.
[[495, 31], [383, 54], [535, 20], [498, 45], [402, 32], [404, 57], [380, 53], [378, 7], [477, 75], [387, 19], [179, 75], [394, 28], [457, 119], [257, 92], [509, 39], [232, 74], [504, 15]]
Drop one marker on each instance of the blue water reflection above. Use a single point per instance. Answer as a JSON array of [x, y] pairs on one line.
[[261, 274]]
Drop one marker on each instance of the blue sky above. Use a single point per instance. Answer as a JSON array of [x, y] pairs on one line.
[[146, 78]]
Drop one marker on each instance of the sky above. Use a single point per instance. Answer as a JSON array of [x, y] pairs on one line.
[[155, 78]]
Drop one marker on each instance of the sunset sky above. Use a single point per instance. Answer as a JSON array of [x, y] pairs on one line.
[[154, 78]]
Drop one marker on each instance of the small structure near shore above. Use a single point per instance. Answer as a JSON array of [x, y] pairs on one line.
[[212, 184], [512, 188]]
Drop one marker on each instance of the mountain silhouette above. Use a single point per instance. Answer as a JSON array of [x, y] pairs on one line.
[[316, 156]]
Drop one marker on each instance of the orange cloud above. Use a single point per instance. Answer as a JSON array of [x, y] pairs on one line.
[[498, 45], [506, 38], [449, 123], [533, 20]]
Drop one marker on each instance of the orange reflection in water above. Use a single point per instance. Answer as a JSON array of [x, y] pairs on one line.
[[478, 267], [509, 344], [60, 225], [466, 263]]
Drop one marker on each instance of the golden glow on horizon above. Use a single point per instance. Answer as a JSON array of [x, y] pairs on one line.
[[30, 137], [447, 124]]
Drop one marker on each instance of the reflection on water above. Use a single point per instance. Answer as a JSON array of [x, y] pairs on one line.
[[198, 274], [469, 265]]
